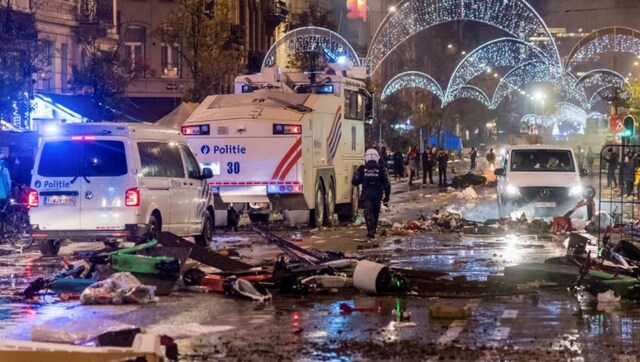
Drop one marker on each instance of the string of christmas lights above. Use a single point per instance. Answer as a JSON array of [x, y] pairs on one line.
[[412, 79], [309, 39], [607, 40], [498, 53], [516, 17], [468, 91]]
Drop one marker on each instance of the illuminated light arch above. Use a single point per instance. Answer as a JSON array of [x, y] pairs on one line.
[[603, 79], [469, 91], [515, 17], [602, 76], [534, 71], [309, 38], [598, 94], [615, 39], [412, 79], [503, 52]]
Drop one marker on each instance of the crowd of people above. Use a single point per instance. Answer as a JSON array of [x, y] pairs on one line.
[[413, 163], [623, 172]]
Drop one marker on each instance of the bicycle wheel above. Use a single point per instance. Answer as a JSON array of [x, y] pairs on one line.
[[17, 229]]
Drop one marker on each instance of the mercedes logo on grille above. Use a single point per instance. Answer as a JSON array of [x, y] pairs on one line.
[[545, 193]]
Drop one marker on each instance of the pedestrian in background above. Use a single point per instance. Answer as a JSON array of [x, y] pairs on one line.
[[442, 159], [472, 156], [375, 188], [427, 165], [591, 157], [612, 165], [384, 157], [412, 160], [491, 158], [398, 165], [628, 175], [580, 157]]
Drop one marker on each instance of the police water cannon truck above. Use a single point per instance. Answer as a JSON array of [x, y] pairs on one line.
[[285, 142]]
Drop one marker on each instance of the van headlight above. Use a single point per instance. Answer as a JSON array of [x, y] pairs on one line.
[[576, 190], [512, 190]]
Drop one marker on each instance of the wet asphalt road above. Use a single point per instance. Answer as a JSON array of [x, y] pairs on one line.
[[553, 324]]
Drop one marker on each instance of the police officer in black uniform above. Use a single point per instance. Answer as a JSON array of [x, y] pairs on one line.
[[375, 187]]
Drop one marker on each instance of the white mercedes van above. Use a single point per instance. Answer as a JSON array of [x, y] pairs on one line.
[[117, 181], [542, 178]]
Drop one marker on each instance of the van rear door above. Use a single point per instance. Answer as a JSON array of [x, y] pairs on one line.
[[104, 181], [56, 182], [82, 183]]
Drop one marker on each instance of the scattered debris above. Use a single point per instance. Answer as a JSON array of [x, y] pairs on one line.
[[67, 330], [145, 347], [372, 277], [444, 311], [243, 288], [608, 297], [347, 309], [118, 289]]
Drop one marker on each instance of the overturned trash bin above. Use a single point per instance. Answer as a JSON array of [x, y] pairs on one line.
[[377, 278]]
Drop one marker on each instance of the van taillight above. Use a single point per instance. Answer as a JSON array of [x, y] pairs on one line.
[[132, 197], [33, 199]]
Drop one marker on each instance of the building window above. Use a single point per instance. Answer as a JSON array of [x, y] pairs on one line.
[[134, 40], [133, 52], [170, 61]]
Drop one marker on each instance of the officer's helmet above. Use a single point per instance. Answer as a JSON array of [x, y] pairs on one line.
[[371, 155]]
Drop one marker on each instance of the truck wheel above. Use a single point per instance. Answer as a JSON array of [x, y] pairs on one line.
[[352, 213], [330, 205], [207, 231], [318, 212], [50, 247]]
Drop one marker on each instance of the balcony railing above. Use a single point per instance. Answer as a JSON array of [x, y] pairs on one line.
[[275, 12]]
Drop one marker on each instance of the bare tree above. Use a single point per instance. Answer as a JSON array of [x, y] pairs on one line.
[[106, 74], [23, 54], [203, 36]]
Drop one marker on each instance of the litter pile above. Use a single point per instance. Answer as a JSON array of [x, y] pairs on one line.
[[451, 222]]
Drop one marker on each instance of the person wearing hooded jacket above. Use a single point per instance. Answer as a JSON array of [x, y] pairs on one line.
[[375, 187]]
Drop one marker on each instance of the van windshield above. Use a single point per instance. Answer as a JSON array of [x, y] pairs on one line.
[[542, 160], [82, 159]]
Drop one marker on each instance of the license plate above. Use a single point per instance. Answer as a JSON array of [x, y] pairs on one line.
[[545, 204], [59, 200]]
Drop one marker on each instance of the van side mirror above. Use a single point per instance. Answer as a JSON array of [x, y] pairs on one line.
[[584, 172], [498, 172], [206, 173]]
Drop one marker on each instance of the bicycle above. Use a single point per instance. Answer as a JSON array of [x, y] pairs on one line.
[[15, 226]]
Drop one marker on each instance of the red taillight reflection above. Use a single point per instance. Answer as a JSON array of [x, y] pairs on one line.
[[33, 199], [132, 197]]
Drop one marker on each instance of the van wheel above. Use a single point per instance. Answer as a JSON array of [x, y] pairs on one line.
[[50, 247], [330, 205], [154, 228], [207, 231], [318, 212]]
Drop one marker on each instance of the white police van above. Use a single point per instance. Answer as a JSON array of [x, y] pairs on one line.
[[117, 181], [544, 179]]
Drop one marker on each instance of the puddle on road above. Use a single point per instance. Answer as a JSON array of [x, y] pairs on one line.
[[473, 257]]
